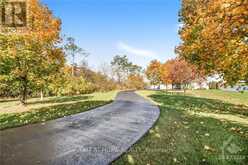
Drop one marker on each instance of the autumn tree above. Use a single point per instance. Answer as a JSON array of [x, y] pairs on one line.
[[135, 81], [153, 72], [182, 72], [166, 73], [98, 80], [28, 58], [177, 72], [215, 37]]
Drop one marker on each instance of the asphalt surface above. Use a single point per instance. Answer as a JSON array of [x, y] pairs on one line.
[[96, 137]]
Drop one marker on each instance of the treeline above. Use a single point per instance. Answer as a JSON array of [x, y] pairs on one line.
[[38, 62], [175, 72], [63, 83]]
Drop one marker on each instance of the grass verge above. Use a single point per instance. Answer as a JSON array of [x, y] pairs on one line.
[[179, 137], [12, 114]]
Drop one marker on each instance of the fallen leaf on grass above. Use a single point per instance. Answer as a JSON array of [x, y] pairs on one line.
[[130, 159], [151, 131], [207, 148], [157, 135], [185, 122], [207, 134], [238, 130]]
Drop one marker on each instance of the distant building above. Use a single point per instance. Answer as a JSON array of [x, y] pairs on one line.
[[193, 85], [212, 82], [199, 85], [160, 87]]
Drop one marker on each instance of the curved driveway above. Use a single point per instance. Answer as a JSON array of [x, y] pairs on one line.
[[97, 137]]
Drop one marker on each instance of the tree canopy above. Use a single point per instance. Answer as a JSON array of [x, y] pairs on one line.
[[177, 71], [215, 37], [27, 60], [153, 72], [122, 68]]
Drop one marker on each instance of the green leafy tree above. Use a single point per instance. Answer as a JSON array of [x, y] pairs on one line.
[[73, 50], [122, 68], [27, 59], [120, 65]]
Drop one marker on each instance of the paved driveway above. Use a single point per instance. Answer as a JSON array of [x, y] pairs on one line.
[[94, 137]]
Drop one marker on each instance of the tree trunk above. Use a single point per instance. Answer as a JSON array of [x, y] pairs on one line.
[[72, 70], [119, 78], [73, 64], [41, 95], [184, 89], [24, 92]]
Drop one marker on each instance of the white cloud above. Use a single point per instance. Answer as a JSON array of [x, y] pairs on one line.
[[135, 51]]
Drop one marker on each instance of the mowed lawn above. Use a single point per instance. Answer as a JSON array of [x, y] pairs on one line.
[[13, 114], [201, 127], [226, 96]]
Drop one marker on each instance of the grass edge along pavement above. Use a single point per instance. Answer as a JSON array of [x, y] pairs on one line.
[[181, 138], [66, 108]]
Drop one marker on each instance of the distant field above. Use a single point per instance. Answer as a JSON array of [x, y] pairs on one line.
[[13, 114], [211, 128]]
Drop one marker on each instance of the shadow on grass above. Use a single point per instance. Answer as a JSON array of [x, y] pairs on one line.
[[183, 102], [8, 100], [47, 113], [178, 138], [61, 100]]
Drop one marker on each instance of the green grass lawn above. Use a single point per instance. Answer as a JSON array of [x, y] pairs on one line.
[[13, 114], [194, 129], [229, 97]]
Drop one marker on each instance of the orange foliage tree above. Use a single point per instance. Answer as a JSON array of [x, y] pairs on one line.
[[215, 37], [166, 72], [153, 72], [177, 72], [28, 59], [135, 81]]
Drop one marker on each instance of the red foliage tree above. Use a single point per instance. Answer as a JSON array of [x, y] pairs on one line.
[[178, 71]]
